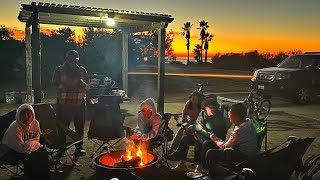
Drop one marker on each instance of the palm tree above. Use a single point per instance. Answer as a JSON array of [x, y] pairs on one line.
[[203, 26], [186, 33], [208, 37], [197, 52]]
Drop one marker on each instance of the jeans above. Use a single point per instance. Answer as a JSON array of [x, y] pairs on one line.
[[214, 157], [182, 151], [178, 136], [206, 146], [65, 113]]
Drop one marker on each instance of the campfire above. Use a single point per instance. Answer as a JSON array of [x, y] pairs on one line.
[[132, 157]]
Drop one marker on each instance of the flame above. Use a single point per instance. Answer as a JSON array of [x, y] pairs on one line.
[[139, 154], [129, 154], [132, 152]]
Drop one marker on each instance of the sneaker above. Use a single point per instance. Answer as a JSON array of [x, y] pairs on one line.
[[81, 153], [196, 175], [180, 167]]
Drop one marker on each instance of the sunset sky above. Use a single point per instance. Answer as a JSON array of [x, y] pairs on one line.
[[238, 25]]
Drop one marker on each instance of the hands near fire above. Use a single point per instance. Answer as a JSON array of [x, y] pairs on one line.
[[137, 136]]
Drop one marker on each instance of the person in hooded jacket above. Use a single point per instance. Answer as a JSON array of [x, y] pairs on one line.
[[23, 139], [147, 129]]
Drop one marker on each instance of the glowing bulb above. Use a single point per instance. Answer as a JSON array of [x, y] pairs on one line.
[[110, 22]]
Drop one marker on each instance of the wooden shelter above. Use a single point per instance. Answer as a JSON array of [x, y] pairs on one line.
[[126, 21]]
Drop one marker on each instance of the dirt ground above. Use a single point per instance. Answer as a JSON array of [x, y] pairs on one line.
[[280, 125]]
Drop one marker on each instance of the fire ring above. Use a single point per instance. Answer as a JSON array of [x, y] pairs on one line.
[[114, 161]]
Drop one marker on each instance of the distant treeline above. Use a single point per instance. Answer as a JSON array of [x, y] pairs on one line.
[[100, 51], [249, 61]]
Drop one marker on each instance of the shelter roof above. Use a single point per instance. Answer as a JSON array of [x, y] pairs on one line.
[[69, 15]]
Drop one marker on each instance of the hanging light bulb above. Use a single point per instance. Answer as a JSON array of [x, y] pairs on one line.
[[110, 22]]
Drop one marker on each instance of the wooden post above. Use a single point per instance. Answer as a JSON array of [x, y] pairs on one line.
[[125, 56], [161, 69], [28, 65], [36, 58]]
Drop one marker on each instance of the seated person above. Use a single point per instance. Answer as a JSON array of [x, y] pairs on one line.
[[148, 126], [241, 144], [209, 120], [22, 137], [190, 114]]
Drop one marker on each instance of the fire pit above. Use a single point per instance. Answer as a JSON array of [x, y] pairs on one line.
[[121, 163]]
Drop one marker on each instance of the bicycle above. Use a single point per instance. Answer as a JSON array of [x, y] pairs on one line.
[[199, 86], [258, 104]]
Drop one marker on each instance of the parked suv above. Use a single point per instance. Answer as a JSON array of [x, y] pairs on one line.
[[297, 76]]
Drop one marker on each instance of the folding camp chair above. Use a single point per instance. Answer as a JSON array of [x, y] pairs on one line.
[[9, 163], [310, 167], [47, 119], [167, 135], [278, 162], [262, 133], [106, 127]]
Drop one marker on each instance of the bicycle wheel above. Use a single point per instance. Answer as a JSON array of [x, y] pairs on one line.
[[263, 109]]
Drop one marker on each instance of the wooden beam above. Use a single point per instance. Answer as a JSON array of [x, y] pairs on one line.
[[36, 59], [28, 64], [125, 56], [161, 70], [151, 17]]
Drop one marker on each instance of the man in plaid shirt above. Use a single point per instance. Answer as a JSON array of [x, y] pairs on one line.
[[71, 81]]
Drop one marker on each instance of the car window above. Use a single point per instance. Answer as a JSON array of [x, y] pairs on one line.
[[301, 62], [310, 63], [290, 62]]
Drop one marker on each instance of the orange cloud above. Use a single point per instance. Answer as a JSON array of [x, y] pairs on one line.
[[20, 34]]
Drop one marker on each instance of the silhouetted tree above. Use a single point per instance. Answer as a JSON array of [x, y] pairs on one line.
[[186, 33], [208, 38], [12, 64], [148, 43], [169, 51], [5, 33], [197, 52], [203, 27], [53, 49]]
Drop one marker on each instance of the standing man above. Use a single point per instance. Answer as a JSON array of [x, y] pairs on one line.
[[71, 81]]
